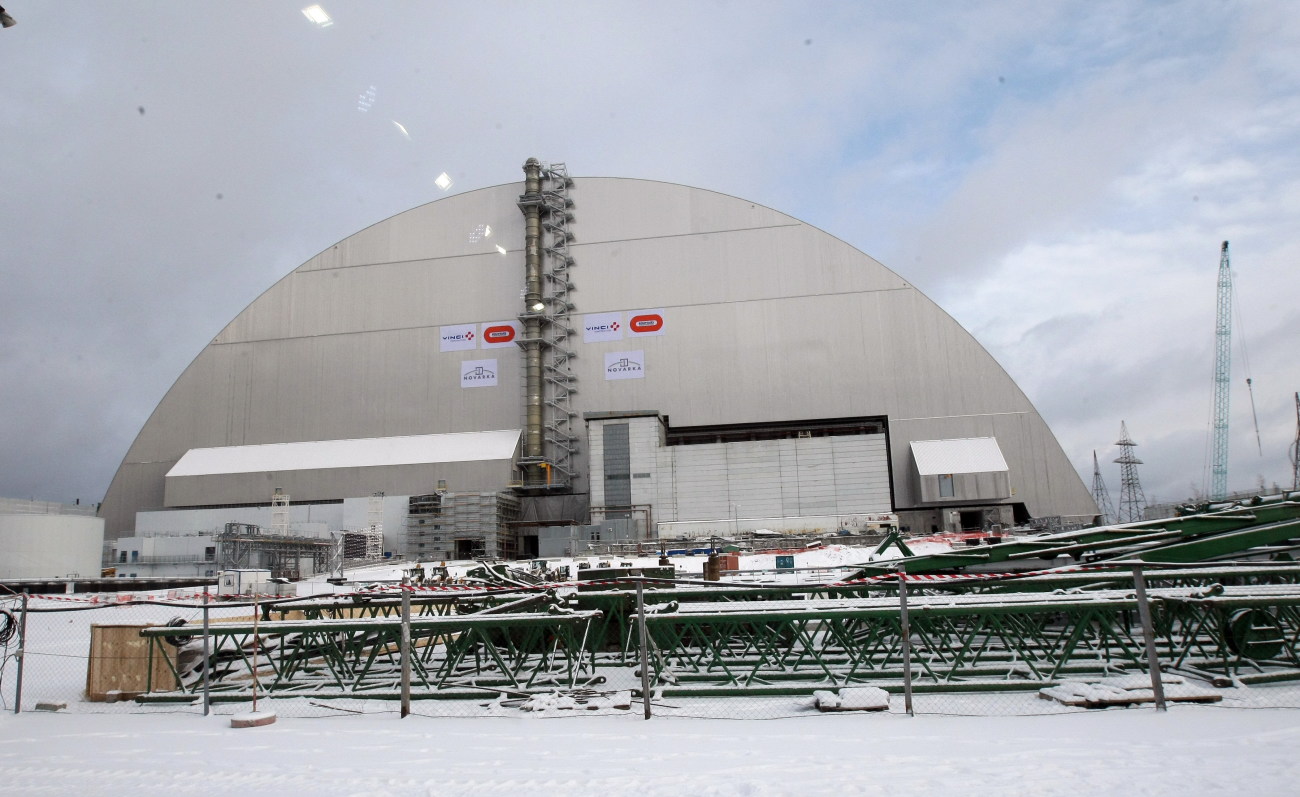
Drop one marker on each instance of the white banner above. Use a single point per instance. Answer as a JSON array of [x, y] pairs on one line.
[[478, 373], [457, 338], [624, 364], [643, 323], [498, 334], [599, 327]]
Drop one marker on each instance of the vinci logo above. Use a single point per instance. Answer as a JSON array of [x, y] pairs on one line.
[[478, 373], [624, 365], [499, 334], [456, 338], [646, 322], [602, 326]]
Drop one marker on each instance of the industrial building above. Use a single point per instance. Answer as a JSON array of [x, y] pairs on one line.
[[514, 363]]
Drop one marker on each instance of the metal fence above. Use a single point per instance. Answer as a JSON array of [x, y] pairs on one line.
[[1070, 640]]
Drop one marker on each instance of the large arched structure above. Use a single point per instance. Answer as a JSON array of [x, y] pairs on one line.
[[763, 321]]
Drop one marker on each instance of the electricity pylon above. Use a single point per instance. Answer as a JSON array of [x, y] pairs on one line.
[[1100, 494], [1132, 502]]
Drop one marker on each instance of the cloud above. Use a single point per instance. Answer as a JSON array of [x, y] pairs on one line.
[[1057, 176]]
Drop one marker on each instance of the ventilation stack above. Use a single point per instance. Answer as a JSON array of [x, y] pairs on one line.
[[550, 441]]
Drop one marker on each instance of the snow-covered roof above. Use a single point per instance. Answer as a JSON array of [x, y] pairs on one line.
[[966, 455], [364, 453]]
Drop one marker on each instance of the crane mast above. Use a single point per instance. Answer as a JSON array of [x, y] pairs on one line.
[[1222, 374]]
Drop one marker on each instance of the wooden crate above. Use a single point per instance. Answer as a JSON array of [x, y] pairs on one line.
[[121, 662]]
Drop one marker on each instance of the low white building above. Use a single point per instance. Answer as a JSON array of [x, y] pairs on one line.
[[166, 556]]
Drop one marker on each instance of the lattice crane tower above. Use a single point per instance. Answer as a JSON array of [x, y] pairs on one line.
[[1132, 502], [1222, 372], [1100, 494], [1295, 448]]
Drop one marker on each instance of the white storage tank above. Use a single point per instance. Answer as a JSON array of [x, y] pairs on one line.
[[50, 546]]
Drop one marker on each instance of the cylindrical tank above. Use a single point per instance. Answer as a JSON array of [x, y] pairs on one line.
[[50, 546]]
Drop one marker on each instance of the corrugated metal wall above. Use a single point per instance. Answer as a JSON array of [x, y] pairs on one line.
[[766, 318]]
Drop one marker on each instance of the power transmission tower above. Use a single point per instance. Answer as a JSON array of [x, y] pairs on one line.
[[1132, 502], [1222, 369], [1100, 494]]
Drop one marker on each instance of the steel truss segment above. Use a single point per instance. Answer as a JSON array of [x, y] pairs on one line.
[[358, 656], [1032, 637]]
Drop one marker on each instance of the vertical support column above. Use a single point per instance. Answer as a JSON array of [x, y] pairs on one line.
[[1149, 637], [21, 655], [906, 631], [207, 657], [531, 204], [257, 613], [406, 646], [645, 647]]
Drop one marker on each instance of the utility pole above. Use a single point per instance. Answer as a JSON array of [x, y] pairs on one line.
[[1222, 372]]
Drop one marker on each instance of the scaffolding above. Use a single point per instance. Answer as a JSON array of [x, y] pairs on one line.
[[363, 544], [244, 546], [445, 526]]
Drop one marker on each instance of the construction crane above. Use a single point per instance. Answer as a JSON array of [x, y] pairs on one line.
[[1295, 448], [1222, 372]]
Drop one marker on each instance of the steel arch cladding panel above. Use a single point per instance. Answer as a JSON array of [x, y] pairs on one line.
[[765, 319]]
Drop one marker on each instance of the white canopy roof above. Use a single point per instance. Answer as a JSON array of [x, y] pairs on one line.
[[364, 453], [966, 455]]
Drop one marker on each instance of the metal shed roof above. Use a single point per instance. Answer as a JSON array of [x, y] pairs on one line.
[[364, 453], [966, 455]]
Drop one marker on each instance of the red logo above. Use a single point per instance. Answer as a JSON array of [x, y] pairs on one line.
[[501, 334], [651, 322]]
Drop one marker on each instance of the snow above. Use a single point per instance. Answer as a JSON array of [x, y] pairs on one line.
[[596, 742], [821, 564], [1191, 750], [860, 698]]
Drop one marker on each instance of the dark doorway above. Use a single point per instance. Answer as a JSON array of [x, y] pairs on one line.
[[972, 520], [464, 549], [528, 547]]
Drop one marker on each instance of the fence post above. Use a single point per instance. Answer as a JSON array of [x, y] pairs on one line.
[[207, 657], [907, 641], [22, 647], [644, 646], [406, 646], [1149, 637]]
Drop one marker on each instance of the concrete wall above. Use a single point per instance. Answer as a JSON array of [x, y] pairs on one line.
[[50, 546]]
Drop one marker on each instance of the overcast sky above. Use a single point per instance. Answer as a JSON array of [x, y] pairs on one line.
[[1058, 176]]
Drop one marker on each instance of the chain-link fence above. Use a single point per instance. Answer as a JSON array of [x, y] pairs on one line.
[[1070, 640]]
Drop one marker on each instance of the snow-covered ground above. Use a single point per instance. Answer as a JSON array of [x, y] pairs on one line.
[[1191, 750], [1052, 750]]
